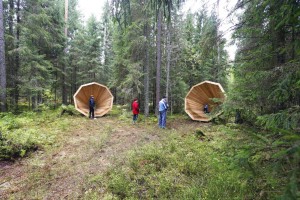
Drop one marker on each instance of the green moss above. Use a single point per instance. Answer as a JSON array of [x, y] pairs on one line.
[[27, 132]]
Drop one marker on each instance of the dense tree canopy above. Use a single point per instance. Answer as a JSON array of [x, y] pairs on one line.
[[147, 49], [266, 71], [127, 51]]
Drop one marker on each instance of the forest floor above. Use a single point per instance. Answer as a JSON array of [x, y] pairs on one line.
[[85, 148]]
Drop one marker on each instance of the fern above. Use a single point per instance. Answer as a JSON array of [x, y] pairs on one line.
[[288, 119]]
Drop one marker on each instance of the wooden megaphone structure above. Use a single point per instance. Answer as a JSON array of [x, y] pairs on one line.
[[200, 95], [102, 95]]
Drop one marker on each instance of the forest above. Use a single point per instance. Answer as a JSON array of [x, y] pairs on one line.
[[147, 49]]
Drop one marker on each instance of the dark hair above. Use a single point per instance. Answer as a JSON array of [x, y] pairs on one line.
[[135, 99], [163, 97]]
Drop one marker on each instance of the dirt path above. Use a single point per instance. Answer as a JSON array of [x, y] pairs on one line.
[[87, 148]]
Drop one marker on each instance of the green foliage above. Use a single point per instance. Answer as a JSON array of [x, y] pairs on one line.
[[223, 163], [116, 110], [27, 132], [185, 162], [40, 45], [292, 191], [179, 92], [129, 48], [266, 71], [69, 109], [125, 115], [86, 54], [271, 158], [287, 120], [176, 168], [200, 51]]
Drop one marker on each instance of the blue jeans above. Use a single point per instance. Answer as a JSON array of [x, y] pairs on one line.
[[162, 119], [135, 117]]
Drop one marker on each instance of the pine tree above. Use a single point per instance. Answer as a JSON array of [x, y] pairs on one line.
[[265, 70], [41, 42], [2, 62]]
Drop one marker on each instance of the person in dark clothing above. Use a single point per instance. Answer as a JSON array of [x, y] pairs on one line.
[[92, 107], [238, 117], [206, 108]]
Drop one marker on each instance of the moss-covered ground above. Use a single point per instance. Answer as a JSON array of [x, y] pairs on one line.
[[48, 156]]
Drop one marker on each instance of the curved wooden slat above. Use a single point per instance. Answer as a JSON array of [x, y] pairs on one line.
[[202, 94], [102, 95]]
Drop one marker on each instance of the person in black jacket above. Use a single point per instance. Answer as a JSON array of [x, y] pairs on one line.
[[206, 108], [92, 107]]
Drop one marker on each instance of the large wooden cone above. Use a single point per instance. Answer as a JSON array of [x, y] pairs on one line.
[[102, 95], [201, 94]]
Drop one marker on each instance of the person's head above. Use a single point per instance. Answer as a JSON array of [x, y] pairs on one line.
[[92, 96], [164, 97], [135, 99]]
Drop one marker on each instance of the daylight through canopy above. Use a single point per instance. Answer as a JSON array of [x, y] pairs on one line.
[[206, 92], [102, 95]]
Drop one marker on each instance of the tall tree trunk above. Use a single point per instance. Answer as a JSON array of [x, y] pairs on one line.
[[74, 82], [293, 42], [55, 88], [17, 64], [29, 99], [63, 75], [169, 51], [146, 71], [10, 47], [158, 58], [2, 63], [218, 44]]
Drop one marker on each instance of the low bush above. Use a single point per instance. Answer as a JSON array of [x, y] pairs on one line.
[[29, 131], [177, 168], [212, 162]]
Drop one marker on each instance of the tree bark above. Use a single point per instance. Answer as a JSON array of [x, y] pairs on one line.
[[169, 51], [2, 63], [17, 64], [146, 71], [63, 77], [158, 59], [218, 43], [10, 47]]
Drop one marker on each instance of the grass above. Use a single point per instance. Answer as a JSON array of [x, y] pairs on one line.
[[175, 168], [226, 163], [188, 160], [29, 131]]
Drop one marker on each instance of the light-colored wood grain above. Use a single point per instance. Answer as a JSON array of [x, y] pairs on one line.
[[202, 94], [102, 95]]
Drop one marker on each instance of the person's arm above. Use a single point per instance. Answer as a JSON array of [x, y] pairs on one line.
[[166, 105]]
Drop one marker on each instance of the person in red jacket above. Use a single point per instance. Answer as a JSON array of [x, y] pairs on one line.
[[135, 110]]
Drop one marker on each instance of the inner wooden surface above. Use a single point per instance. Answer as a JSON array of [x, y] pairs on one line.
[[102, 96], [200, 95]]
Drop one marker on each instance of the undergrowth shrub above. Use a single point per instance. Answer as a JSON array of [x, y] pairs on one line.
[[17, 144], [270, 161], [68, 109], [176, 168], [29, 131], [288, 120], [117, 110], [212, 162]]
